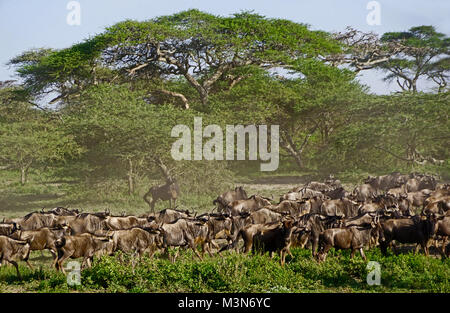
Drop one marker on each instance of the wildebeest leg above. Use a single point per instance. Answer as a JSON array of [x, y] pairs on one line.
[[324, 253], [177, 251], [60, 263], [194, 248], [383, 247], [170, 203], [444, 244], [352, 254], [361, 251], [282, 256], [424, 247], [17, 268], [315, 244], [28, 263], [152, 205], [207, 246], [55, 257]]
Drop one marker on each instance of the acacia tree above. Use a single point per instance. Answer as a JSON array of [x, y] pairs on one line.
[[425, 54], [200, 48], [29, 137]]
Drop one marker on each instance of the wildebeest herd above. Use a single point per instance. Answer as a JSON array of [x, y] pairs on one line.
[[392, 208]]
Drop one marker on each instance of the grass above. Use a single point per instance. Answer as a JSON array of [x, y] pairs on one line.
[[241, 273]]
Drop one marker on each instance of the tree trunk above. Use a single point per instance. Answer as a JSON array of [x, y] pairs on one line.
[[130, 177], [23, 175]]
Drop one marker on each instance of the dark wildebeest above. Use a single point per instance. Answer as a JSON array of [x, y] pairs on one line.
[[85, 245], [253, 203], [12, 250], [316, 224], [43, 239], [354, 238], [249, 231], [167, 192], [276, 239], [226, 198], [407, 230]]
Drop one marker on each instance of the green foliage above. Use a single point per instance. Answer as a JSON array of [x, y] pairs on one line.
[[240, 273]]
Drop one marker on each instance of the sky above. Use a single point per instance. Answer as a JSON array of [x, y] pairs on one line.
[[26, 24]]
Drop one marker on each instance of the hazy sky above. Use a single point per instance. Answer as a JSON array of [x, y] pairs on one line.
[[29, 24]]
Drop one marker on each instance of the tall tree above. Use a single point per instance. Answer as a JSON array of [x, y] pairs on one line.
[[201, 48], [425, 54]]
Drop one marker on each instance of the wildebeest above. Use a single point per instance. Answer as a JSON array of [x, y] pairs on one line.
[[417, 198], [293, 208], [84, 222], [407, 230], [277, 239], [34, 220], [437, 207], [249, 231], [340, 207], [168, 215], [6, 229], [182, 233], [167, 192], [354, 238], [386, 182], [125, 222], [364, 192], [226, 198], [316, 224], [137, 240], [264, 215], [253, 203], [85, 245], [43, 239], [12, 250], [337, 193], [442, 228], [304, 193], [420, 182]]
